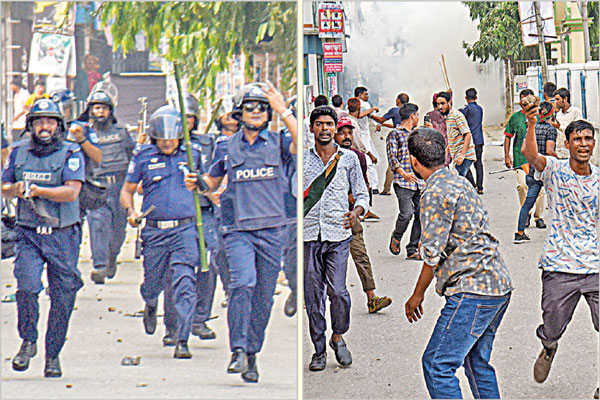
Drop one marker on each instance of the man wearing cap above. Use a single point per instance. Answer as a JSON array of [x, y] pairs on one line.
[[358, 250]]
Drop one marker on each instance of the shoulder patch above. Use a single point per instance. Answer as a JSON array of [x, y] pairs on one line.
[[73, 164], [93, 137], [131, 167]]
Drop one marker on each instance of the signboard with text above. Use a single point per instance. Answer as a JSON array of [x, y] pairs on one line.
[[332, 57], [331, 20]]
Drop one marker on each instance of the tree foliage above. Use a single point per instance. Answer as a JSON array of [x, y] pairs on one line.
[[203, 36], [499, 31]]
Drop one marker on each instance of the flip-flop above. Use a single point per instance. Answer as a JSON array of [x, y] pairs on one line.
[[394, 246]]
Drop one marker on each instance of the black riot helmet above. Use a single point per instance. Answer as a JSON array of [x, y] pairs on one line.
[[67, 103], [45, 108], [165, 123], [98, 97], [191, 108], [251, 92]]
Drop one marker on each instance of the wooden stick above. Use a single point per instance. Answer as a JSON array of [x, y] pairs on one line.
[[445, 72]]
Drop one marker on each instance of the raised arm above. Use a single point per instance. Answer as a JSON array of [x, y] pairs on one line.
[[529, 148]]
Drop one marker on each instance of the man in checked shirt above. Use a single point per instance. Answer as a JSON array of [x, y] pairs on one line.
[[457, 247]]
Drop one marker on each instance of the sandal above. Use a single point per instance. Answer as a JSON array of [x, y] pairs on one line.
[[394, 246]]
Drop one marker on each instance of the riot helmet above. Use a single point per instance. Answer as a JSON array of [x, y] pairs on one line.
[[98, 97], [45, 108], [67, 103], [165, 123], [191, 107], [248, 93]]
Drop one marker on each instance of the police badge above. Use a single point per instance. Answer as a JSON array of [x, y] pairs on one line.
[[73, 164]]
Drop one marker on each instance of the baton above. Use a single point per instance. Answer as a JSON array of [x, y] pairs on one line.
[[139, 218], [186, 135], [501, 171]]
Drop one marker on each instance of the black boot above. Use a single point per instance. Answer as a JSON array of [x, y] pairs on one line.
[[169, 339], [181, 350], [203, 331], [149, 319], [238, 363], [98, 275], [289, 308], [111, 270], [251, 374], [52, 368], [27, 351]]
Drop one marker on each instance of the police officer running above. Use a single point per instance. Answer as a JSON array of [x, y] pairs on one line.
[[253, 216], [45, 173], [170, 237], [108, 223]]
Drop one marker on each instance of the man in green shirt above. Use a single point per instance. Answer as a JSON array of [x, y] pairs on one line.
[[516, 128]]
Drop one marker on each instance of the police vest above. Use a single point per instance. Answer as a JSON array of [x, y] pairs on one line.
[[207, 147], [256, 185], [115, 157], [47, 172]]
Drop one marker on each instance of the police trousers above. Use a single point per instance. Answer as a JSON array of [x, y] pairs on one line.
[[325, 266], [205, 281], [254, 262], [60, 252], [290, 252], [108, 226], [170, 258]]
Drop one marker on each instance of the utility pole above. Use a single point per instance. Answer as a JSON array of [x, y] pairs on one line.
[[541, 46], [586, 32]]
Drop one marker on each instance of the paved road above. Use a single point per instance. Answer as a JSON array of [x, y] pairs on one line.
[[99, 338], [387, 349]]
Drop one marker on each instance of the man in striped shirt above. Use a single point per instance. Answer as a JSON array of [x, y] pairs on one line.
[[460, 144]]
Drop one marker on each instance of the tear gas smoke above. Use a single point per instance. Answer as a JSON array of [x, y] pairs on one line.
[[396, 47]]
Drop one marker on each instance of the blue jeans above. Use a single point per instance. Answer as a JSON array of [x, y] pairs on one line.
[[464, 167], [463, 336], [532, 194]]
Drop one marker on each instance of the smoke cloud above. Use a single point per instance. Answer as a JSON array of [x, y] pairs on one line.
[[396, 47]]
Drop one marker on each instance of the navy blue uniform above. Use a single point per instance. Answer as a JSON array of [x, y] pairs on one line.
[[40, 242], [290, 245], [170, 237], [108, 223], [220, 257], [253, 226], [206, 281]]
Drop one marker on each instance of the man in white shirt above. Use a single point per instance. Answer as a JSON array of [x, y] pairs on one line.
[[19, 98], [570, 259], [565, 115]]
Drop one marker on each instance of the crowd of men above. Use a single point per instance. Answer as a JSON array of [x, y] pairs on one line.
[[430, 165], [230, 195]]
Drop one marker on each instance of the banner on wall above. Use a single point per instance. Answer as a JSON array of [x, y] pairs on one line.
[[331, 20], [52, 54]]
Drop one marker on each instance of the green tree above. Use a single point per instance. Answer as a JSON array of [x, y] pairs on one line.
[[499, 39], [203, 36]]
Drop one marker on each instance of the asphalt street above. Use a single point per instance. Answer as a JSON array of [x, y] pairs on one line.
[[387, 349], [106, 326]]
